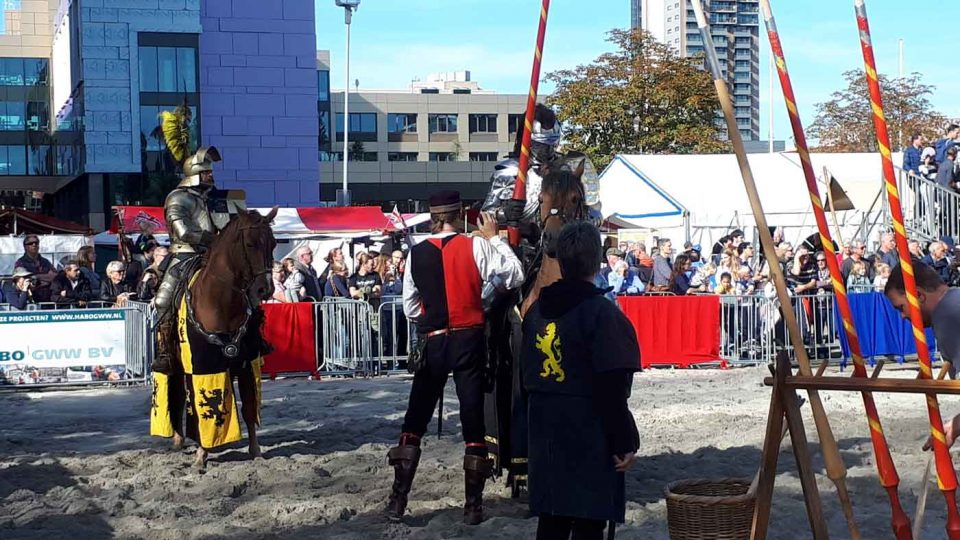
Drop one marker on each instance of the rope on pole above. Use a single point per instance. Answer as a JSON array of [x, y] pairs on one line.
[[946, 476], [520, 187], [836, 470], [889, 478]]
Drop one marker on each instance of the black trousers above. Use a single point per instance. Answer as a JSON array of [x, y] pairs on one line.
[[462, 353], [550, 527]]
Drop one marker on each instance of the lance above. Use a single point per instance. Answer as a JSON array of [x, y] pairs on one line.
[[520, 187], [946, 476], [887, 469], [836, 470]]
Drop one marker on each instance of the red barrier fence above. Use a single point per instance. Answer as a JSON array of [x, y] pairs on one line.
[[675, 330], [292, 331]]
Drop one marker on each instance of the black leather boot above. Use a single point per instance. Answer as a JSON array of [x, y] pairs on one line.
[[404, 460], [476, 470]]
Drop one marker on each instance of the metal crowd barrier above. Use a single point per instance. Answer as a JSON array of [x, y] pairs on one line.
[[931, 210], [139, 350], [346, 329]]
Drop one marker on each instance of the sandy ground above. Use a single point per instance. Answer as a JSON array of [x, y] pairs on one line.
[[78, 464]]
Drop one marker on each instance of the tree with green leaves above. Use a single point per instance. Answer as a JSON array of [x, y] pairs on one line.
[[641, 98], [845, 122]]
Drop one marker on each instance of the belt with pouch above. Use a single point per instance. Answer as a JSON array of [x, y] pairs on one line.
[[448, 331]]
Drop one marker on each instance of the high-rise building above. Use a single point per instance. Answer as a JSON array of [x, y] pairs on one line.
[[735, 32]]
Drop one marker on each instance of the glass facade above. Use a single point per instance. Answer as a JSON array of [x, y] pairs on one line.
[[442, 123], [483, 123], [401, 156], [483, 156], [323, 85], [402, 123], [359, 123], [168, 69]]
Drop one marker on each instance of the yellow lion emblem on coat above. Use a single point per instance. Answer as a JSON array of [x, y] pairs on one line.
[[549, 345]]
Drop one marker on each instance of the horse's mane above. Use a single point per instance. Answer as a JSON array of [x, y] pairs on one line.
[[230, 234]]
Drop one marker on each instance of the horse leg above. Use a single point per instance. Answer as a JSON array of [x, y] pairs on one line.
[[200, 462], [248, 378]]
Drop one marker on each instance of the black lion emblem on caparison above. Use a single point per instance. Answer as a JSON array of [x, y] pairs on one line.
[[212, 406]]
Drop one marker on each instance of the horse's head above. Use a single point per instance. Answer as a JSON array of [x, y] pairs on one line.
[[561, 201], [244, 250]]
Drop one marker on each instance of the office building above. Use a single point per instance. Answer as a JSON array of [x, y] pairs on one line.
[[82, 84], [445, 132], [734, 29]]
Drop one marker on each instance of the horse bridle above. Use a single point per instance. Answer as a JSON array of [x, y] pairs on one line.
[[231, 348]]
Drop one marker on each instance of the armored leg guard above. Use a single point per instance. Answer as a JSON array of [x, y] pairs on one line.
[[404, 459], [476, 470]]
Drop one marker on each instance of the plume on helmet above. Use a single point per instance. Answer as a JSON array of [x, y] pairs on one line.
[[176, 132]]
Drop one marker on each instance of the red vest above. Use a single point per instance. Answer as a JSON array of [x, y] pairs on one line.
[[445, 272]]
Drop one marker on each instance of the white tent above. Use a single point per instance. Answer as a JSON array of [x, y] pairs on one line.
[[701, 197]]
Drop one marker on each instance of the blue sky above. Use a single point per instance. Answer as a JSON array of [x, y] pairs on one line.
[[394, 41]]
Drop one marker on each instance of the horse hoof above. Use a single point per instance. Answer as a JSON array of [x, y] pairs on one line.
[[255, 452]]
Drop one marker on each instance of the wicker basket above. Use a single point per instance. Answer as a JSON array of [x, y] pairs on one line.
[[710, 509]]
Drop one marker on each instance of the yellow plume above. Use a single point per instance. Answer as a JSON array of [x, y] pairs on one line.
[[176, 132]]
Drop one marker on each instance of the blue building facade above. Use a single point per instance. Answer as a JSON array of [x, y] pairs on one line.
[[246, 69]]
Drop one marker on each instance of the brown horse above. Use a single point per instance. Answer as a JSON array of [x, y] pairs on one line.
[[562, 200], [219, 332]]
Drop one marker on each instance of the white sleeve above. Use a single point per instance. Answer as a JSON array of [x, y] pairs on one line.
[[495, 258], [412, 306]]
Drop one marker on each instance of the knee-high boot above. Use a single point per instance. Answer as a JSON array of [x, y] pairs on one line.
[[404, 460], [476, 470]]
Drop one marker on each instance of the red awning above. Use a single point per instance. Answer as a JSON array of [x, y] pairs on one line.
[[16, 221], [344, 219], [134, 217]]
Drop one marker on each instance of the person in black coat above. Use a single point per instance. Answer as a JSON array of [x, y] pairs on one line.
[[18, 291], [115, 289], [71, 289], [577, 360]]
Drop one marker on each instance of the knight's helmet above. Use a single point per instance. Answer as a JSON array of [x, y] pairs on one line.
[[545, 135], [178, 136], [201, 161]]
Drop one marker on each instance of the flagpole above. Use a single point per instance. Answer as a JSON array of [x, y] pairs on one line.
[[946, 476], [520, 187], [836, 470], [889, 478]]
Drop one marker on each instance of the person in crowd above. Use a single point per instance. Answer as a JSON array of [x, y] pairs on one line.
[[304, 265], [70, 289], [824, 279], [334, 255], [279, 275], [39, 267], [393, 284], [857, 250], [381, 266], [946, 172], [746, 286], [887, 254], [936, 259], [694, 254], [293, 284], [146, 236], [115, 289], [337, 285], [18, 291], [747, 253], [366, 284], [725, 285], [662, 271], [136, 265], [577, 360], [614, 255], [928, 164], [802, 274], [448, 270], [883, 275], [947, 142], [858, 281], [729, 262], [679, 278], [150, 282], [911, 156], [915, 250], [623, 280], [87, 259], [703, 277]]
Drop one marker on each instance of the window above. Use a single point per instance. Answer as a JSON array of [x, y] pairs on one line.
[[402, 123], [13, 160], [168, 69], [740, 111], [324, 133], [483, 156], [12, 115], [11, 72], [338, 156], [401, 156], [38, 116], [323, 85], [483, 123], [442, 156], [359, 123], [35, 71], [39, 160], [443, 123], [514, 121]]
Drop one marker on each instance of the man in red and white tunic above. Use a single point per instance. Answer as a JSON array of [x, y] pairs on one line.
[[442, 293]]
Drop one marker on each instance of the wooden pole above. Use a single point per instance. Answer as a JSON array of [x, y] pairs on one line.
[[889, 478], [520, 187], [836, 470], [893, 386], [946, 475]]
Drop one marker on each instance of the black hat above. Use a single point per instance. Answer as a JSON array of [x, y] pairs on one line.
[[736, 233], [445, 201]]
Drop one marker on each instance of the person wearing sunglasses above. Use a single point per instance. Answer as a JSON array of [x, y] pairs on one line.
[[37, 265]]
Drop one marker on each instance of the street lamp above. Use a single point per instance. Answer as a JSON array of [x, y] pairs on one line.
[[348, 8]]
